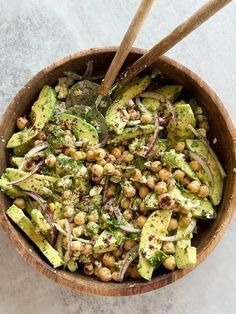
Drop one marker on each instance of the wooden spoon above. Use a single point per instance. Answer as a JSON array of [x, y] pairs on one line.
[[180, 32], [125, 45]]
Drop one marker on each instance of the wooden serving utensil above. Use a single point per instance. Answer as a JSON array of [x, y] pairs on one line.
[[125, 46], [180, 32]]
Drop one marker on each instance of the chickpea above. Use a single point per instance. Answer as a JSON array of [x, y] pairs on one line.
[[51, 207], [80, 155], [115, 276], [111, 190], [164, 174], [118, 252], [68, 211], [125, 203], [184, 210], [51, 160], [166, 201], [128, 244], [127, 156], [79, 218], [137, 176], [104, 274], [161, 187], [94, 216], [128, 214], [108, 260], [88, 269], [185, 221], [21, 123], [185, 181], [195, 165], [111, 158], [180, 146], [99, 154], [108, 169], [203, 191], [70, 151], [96, 270], [194, 186], [90, 155], [122, 148], [65, 242], [134, 115], [92, 227], [97, 170], [117, 173], [146, 118], [168, 247], [140, 221], [78, 231], [179, 175], [156, 166], [66, 194], [169, 263], [37, 142], [173, 225], [202, 132], [143, 208], [116, 152], [129, 191], [76, 246], [20, 202], [203, 125], [42, 136], [134, 272], [151, 181], [171, 185], [143, 191], [87, 249]]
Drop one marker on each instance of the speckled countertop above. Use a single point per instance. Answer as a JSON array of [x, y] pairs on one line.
[[33, 34]]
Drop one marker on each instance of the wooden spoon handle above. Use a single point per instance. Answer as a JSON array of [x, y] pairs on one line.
[[125, 45], [181, 31]]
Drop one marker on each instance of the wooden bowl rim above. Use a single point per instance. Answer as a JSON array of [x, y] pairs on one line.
[[126, 288]]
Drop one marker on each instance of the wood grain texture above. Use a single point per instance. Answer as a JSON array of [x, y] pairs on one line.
[[221, 128], [125, 45], [180, 32]]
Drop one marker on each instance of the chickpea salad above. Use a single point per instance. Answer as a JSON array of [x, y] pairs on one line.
[[113, 186]]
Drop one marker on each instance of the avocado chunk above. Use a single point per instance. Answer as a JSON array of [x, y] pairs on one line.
[[179, 131], [41, 112], [41, 222], [155, 227], [81, 129], [58, 212], [170, 91], [107, 241], [117, 115], [17, 215], [216, 191], [130, 133], [11, 190], [185, 254], [151, 201], [21, 150], [72, 265], [174, 160], [35, 183], [67, 165], [16, 161], [201, 208]]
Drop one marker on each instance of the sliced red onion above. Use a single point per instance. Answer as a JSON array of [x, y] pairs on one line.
[[59, 245], [182, 235], [104, 192], [131, 102], [32, 152], [155, 135], [54, 231], [129, 258], [89, 69], [205, 166], [208, 147], [73, 238], [38, 199], [129, 229], [172, 110], [140, 106], [28, 175]]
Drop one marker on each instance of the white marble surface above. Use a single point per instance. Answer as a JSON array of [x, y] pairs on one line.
[[34, 33]]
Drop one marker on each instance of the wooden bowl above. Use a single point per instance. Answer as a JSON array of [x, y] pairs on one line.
[[221, 128]]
